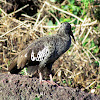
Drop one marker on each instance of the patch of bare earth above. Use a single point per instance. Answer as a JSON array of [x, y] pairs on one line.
[[18, 87]]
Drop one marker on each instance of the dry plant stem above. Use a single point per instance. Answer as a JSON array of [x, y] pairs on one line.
[[3, 12], [90, 85], [50, 26], [83, 28], [5, 2], [56, 72], [83, 50], [96, 32], [75, 45], [87, 54], [12, 53], [12, 29], [3, 40], [28, 17], [4, 58], [54, 17], [93, 56], [3, 66], [15, 20], [41, 21], [63, 11], [89, 42], [66, 72], [74, 75], [19, 22], [72, 22], [42, 30], [92, 48], [18, 10], [39, 14], [87, 34], [87, 24]]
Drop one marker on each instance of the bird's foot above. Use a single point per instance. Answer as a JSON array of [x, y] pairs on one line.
[[51, 83], [44, 81]]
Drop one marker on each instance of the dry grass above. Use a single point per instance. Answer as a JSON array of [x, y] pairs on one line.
[[76, 66]]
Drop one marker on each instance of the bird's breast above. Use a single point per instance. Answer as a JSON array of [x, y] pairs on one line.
[[62, 46]]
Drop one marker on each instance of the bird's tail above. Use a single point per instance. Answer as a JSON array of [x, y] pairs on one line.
[[11, 66], [13, 63]]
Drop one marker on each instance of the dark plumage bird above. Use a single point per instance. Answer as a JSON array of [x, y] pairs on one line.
[[43, 52]]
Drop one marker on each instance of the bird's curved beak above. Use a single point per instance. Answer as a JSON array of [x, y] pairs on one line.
[[72, 35]]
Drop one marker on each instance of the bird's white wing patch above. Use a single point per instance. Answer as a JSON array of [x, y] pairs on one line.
[[32, 56], [41, 55]]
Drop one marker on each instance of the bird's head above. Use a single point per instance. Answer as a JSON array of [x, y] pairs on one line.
[[66, 28]]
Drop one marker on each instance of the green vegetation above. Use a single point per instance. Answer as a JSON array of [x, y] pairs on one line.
[[36, 98]]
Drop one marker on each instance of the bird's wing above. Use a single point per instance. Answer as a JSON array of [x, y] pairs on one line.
[[23, 58], [13, 63], [41, 55], [38, 51], [39, 60], [12, 68]]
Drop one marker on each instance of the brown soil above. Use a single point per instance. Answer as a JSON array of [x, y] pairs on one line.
[[18, 87]]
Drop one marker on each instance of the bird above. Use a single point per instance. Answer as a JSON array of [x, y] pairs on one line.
[[43, 52]]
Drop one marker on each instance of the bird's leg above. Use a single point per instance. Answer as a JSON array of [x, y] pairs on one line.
[[51, 80], [40, 77]]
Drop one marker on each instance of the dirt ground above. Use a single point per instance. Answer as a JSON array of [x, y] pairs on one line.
[[18, 87]]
